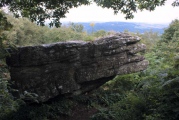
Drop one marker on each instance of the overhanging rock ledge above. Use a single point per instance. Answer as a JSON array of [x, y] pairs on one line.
[[74, 67]]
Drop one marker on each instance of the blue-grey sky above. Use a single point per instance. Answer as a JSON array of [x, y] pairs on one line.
[[93, 13]]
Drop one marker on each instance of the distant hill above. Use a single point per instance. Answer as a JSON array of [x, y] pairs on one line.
[[121, 26]]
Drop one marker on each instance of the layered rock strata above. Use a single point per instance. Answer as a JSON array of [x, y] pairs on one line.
[[70, 68]]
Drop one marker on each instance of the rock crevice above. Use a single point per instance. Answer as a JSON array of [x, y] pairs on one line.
[[74, 67]]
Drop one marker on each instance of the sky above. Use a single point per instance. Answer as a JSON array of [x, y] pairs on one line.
[[161, 15]]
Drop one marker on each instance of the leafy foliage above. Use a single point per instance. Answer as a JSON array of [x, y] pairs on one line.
[[51, 111], [40, 10], [7, 103], [154, 92], [26, 33], [128, 7], [76, 27], [4, 26], [172, 32]]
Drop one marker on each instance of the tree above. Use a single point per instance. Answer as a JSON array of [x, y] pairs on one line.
[[76, 27], [172, 32], [4, 26], [40, 10], [100, 33]]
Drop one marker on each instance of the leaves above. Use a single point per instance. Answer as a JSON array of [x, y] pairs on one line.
[[171, 32], [40, 10]]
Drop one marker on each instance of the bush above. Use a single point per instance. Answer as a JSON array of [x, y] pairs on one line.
[[7, 102]]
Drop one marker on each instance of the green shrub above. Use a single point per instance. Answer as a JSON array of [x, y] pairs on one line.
[[7, 102]]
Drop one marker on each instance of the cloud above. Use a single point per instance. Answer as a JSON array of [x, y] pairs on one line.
[[164, 14]]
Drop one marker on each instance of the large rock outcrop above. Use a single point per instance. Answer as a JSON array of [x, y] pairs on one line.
[[74, 67]]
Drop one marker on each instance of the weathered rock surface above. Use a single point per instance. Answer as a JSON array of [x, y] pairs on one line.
[[74, 67]]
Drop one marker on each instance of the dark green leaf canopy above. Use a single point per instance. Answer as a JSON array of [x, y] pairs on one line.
[[40, 10]]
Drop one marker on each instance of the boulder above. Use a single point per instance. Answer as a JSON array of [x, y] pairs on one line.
[[74, 67]]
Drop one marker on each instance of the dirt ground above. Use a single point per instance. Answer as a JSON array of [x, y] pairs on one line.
[[80, 112]]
